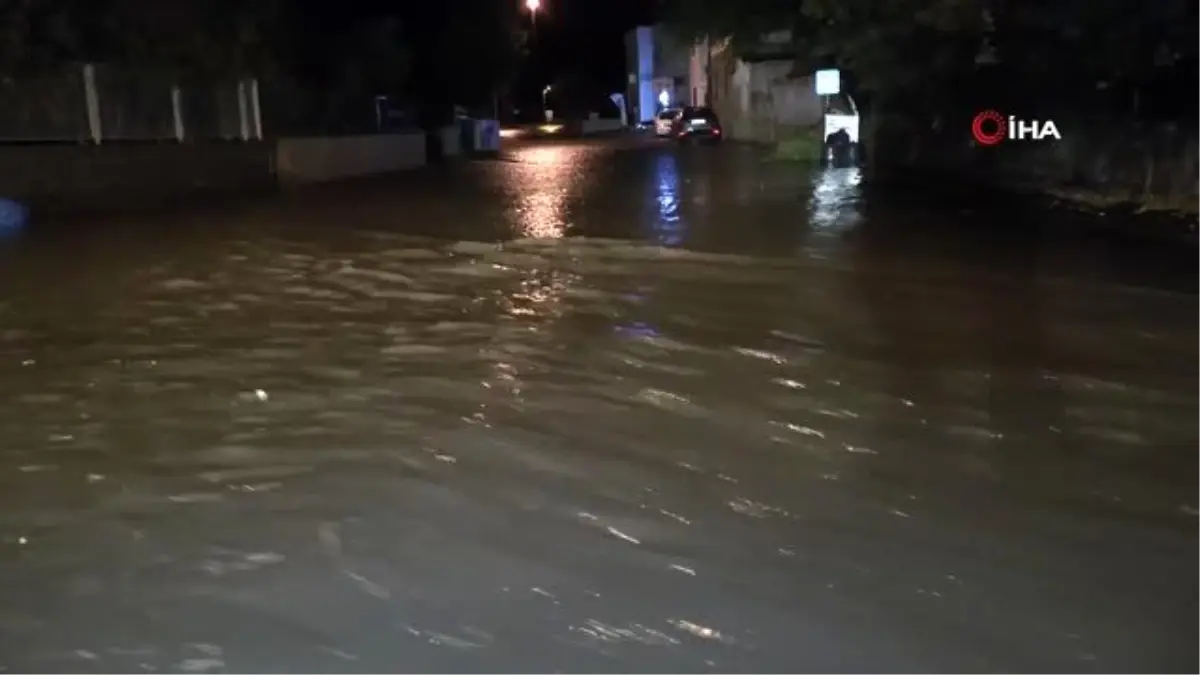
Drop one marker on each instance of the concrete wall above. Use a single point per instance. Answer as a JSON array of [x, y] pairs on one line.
[[655, 61], [69, 177], [642, 94], [671, 56], [318, 159], [130, 176], [762, 101], [600, 126], [698, 73], [451, 141]]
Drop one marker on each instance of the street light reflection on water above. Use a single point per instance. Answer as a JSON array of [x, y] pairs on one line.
[[545, 178], [533, 306], [668, 225], [834, 190], [542, 182], [301, 434]]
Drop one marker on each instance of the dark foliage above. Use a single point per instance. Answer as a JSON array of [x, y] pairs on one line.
[[1096, 54], [463, 49]]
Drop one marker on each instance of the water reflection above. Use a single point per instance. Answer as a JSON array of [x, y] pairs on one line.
[[833, 208], [637, 330], [543, 190], [668, 225], [531, 308], [538, 297], [250, 436]]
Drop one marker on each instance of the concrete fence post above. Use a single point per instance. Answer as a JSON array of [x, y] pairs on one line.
[[243, 110], [255, 110], [91, 98], [177, 112]]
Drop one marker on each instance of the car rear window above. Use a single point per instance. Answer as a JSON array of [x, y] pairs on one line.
[[700, 114]]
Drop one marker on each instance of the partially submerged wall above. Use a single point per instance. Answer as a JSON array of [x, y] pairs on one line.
[[325, 158], [64, 177]]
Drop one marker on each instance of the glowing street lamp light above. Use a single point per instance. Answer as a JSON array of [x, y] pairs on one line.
[[533, 6]]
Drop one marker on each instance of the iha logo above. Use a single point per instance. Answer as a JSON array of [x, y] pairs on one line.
[[990, 127]]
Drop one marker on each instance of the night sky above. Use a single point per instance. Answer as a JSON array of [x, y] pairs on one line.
[[584, 38], [579, 38]]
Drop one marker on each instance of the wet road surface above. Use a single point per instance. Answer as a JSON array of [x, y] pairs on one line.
[[701, 412]]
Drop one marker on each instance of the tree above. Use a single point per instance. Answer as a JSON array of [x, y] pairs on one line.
[[211, 39], [469, 50], [375, 56], [1082, 53], [217, 37], [888, 47], [573, 93], [371, 61], [38, 35], [921, 50]]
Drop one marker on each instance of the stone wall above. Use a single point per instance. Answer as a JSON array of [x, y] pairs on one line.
[[1098, 163], [1154, 167]]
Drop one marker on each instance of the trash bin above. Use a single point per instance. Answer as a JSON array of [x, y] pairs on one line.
[[479, 136], [13, 216], [487, 136], [466, 134]]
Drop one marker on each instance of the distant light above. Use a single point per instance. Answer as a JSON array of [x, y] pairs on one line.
[[510, 133], [533, 5], [828, 82], [550, 128], [664, 98]]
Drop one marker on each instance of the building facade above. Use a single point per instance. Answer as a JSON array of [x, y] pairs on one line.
[[757, 94], [659, 72]]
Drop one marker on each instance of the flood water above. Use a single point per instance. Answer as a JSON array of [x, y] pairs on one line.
[[595, 407]]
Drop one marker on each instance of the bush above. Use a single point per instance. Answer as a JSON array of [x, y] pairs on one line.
[[802, 145]]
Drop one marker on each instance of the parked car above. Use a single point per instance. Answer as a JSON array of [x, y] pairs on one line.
[[697, 124], [665, 121]]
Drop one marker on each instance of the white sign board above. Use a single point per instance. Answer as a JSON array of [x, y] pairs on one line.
[[828, 82]]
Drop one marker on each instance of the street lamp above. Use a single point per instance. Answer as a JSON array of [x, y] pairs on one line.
[[533, 6], [545, 92]]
